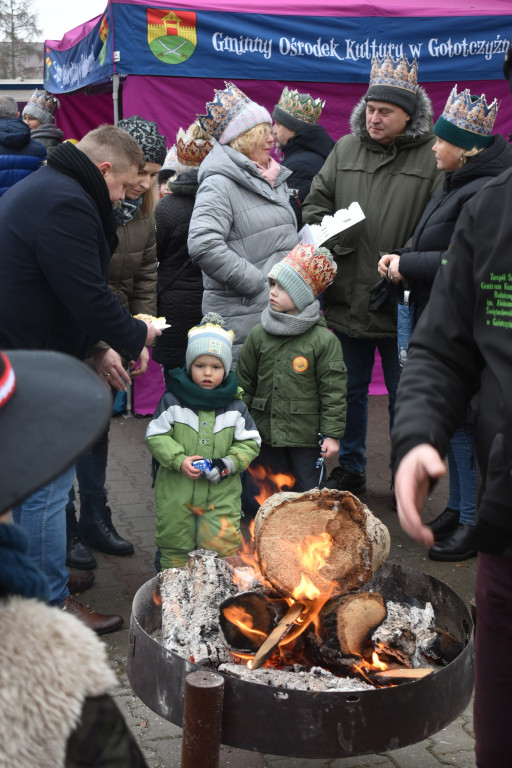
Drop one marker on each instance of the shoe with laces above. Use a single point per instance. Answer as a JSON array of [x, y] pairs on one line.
[[342, 479], [101, 623]]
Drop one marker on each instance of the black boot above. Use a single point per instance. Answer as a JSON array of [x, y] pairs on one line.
[[97, 529], [444, 523], [78, 554], [458, 545]]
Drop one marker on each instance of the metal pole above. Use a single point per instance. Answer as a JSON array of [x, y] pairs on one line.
[[202, 720], [115, 97]]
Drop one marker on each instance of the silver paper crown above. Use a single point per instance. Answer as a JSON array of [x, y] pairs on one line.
[[226, 105], [470, 113], [45, 101], [397, 73]]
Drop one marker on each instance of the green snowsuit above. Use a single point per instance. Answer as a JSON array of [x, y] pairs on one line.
[[197, 514]]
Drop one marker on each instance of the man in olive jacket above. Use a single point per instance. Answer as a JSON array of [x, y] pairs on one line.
[[386, 164]]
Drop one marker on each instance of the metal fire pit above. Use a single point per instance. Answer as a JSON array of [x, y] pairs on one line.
[[308, 724]]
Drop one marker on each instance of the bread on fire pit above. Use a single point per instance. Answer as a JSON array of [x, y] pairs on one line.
[[287, 523]]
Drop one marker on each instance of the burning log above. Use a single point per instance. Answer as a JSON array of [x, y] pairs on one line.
[[400, 675], [248, 618], [357, 615], [327, 538]]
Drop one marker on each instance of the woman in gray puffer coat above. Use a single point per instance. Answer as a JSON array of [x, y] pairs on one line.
[[242, 222]]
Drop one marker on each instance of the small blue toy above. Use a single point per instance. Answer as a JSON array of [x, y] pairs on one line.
[[202, 464]]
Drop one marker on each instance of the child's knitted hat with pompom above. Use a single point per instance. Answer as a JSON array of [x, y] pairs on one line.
[[210, 338]]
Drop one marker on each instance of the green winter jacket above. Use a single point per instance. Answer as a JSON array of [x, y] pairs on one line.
[[176, 432], [295, 386], [392, 185]]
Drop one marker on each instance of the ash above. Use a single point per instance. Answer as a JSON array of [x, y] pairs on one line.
[[190, 605], [408, 628], [296, 678]]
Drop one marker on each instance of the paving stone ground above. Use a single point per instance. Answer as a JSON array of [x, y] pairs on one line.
[[119, 578]]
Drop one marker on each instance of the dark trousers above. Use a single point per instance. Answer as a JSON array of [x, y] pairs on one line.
[[493, 672], [299, 462]]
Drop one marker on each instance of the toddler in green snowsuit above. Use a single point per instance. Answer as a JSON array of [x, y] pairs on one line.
[[201, 416]]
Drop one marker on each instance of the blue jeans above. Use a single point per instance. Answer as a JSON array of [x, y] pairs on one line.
[[359, 356], [43, 518], [462, 468]]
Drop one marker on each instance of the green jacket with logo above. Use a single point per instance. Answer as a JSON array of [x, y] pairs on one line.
[[295, 386], [392, 184]]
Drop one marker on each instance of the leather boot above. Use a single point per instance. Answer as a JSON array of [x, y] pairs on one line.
[[101, 623], [444, 523], [97, 529], [458, 545], [79, 582], [78, 554]]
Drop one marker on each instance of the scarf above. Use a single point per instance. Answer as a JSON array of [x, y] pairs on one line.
[[280, 324], [192, 396], [128, 209], [270, 172], [19, 575], [69, 160]]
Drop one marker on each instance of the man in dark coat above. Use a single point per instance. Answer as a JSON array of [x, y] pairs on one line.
[[462, 344], [19, 153], [305, 144], [58, 231]]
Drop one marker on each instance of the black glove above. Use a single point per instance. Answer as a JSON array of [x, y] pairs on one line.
[[496, 504], [221, 468]]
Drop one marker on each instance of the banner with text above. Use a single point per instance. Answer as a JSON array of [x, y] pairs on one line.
[[172, 42]]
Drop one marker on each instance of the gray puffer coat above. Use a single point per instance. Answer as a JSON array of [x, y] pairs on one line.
[[240, 228]]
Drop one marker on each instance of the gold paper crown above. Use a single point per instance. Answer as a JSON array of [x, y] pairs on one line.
[[397, 73], [45, 101], [191, 151], [226, 105], [470, 113], [301, 106]]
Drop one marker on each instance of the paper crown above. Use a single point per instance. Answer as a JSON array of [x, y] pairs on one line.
[[301, 106], [304, 273], [396, 73], [226, 105], [191, 151], [470, 113], [42, 105]]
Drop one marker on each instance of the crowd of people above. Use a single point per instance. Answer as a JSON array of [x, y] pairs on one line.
[[269, 349]]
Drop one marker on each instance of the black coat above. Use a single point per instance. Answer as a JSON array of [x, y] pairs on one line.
[[304, 154], [54, 262], [179, 295], [431, 239]]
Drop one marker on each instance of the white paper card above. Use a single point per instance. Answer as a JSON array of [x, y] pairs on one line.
[[331, 225]]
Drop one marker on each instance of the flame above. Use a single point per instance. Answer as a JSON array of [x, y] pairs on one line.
[[157, 598], [306, 590], [244, 621], [314, 551], [269, 483]]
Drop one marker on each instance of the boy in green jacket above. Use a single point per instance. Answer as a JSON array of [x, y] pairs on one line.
[[292, 373], [201, 418]]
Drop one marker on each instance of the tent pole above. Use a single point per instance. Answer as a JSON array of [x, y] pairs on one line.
[[115, 97]]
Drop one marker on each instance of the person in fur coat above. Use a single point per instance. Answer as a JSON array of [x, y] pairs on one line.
[[56, 706]]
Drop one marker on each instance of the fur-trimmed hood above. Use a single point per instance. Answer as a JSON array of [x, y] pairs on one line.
[[49, 663], [420, 124]]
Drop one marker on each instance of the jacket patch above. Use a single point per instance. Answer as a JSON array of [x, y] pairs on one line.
[[300, 364]]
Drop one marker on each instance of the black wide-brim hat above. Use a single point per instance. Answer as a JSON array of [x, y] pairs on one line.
[[53, 408]]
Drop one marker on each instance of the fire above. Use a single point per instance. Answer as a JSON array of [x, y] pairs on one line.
[[269, 483], [314, 551], [244, 621]]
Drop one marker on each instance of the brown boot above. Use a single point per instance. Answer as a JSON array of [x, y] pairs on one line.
[[101, 623], [79, 582]]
